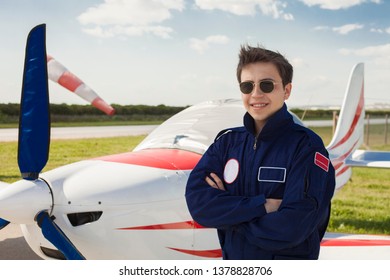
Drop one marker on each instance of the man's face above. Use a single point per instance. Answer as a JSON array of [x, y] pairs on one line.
[[262, 105]]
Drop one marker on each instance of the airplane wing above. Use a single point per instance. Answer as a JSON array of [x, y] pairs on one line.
[[363, 158]]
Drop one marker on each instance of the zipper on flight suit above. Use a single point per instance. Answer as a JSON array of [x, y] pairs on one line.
[[255, 144]]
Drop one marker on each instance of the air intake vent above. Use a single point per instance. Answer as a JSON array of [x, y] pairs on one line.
[[54, 254], [82, 218]]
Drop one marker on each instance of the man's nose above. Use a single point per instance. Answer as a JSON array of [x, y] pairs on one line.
[[257, 90]]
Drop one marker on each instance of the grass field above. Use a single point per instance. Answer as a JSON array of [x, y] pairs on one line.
[[362, 206]]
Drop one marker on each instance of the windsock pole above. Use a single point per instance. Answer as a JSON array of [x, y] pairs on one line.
[[60, 74]]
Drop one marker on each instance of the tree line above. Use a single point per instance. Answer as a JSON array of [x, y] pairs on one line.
[[9, 113], [12, 109]]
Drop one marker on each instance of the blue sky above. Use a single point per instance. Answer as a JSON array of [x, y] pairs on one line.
[[182, 52]]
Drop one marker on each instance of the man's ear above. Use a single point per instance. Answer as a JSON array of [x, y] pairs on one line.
[[287, 91]]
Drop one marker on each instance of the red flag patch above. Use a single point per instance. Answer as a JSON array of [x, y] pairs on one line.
[[321, 161]]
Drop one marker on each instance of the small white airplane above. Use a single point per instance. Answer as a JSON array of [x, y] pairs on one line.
[[132, 205]]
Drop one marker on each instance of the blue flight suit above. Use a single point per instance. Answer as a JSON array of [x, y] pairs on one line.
[[285, 161]]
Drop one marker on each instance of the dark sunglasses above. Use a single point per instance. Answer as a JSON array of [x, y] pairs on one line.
[[266, 86]]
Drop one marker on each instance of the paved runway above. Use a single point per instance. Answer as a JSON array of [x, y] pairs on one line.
[[11, 134]]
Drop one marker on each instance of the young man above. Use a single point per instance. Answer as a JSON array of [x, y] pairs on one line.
[[267, 186]]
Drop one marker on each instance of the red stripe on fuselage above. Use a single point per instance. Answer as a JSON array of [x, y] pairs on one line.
[[354, 242], [216, 253], [171, 159], [179, 225]]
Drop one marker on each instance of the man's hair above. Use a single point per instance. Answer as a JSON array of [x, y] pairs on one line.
[[250, 55]]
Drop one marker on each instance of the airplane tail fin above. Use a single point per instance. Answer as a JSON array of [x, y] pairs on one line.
[[350, 126]]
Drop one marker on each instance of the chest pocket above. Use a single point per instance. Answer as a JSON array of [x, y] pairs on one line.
[[272, 174]]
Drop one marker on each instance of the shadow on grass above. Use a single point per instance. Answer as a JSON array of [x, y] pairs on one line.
[[360, 226]]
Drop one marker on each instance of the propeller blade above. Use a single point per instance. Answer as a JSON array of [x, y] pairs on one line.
[[3, 223], [57, 237], [34, 123]]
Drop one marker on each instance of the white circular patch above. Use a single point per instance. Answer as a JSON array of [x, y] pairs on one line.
[[231, 171]]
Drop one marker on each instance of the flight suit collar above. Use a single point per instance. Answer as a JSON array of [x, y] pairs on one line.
[[274, 125]]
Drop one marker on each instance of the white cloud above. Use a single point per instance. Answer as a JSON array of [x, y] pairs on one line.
[[297, 62], [380, 54], [380, 30], [271, 8], [130, 17], [337, 4], [201, 45], [343, 30], [118, 30], [321, 27], [376, 30], [380, 50], [347, 28]]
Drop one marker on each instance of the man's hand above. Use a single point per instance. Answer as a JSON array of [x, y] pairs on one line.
[[214, 181], [272, 205]]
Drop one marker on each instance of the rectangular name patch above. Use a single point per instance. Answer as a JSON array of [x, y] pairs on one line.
[[272, 174], [321, 161]]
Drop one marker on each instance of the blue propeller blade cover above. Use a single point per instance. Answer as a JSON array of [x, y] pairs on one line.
[[3, 223], [57, 237], [34, 123]]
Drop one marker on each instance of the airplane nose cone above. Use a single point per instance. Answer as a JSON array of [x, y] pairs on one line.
[[21, 201]]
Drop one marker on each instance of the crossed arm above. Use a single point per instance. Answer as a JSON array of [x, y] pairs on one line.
[[271, 204]]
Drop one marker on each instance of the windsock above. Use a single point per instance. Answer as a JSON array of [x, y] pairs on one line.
[[60, 74]]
